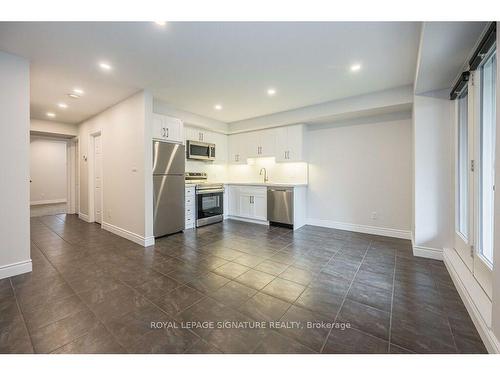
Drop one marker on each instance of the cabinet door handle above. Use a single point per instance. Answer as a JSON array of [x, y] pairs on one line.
[[167, 133], [164, 132]]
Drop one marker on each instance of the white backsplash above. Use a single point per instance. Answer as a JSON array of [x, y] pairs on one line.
[[276, 172], [215, 172]]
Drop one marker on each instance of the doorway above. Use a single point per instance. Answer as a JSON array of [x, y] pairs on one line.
[[53, 175]]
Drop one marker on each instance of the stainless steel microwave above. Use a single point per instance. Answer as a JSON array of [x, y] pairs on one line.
[[200, 150]]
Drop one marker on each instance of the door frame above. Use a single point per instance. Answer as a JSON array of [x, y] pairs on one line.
[[463, 245], [72, 173], [91, 178], [72, 167]]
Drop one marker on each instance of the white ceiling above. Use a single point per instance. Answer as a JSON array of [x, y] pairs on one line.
[[194, 66]]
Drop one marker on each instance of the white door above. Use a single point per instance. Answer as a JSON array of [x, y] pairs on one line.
[[97, 179], [267, 143], [233, 200], [260, 207], [237, 149], [281, 143], [158, 128], [295, 135], [485, 153], [475, 172], [172, 129], [245, 205]]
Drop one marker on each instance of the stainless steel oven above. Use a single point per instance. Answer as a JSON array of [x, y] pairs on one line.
[[200, 150], [209, 204]]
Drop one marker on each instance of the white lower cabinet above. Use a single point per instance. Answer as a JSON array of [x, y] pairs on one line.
[[190, 208], [248, 202]]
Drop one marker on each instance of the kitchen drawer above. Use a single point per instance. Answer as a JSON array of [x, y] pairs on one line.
[[190, 200], [253, 190], [190, 210], [190, 191], [189, 223]]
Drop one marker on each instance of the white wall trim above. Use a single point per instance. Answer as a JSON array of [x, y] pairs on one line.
[[84, 217], [15, 269], [472, 304], [134, 237], [428, 252], [380, 231], [48, 201]]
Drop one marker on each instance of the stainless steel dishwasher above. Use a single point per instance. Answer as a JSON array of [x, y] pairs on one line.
[[280, 205]]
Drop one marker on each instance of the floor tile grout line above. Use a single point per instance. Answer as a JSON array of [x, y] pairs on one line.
[[392, 301], [20, 310], [288, 238], [344, 299], [447, 315], [83, 301]]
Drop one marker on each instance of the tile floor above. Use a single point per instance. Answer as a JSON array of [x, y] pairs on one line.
[[324, 291]]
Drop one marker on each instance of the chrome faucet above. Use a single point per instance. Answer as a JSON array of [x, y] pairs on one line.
[[265, 174]]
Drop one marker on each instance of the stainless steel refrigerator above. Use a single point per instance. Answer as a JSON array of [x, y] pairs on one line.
[[168, 187]]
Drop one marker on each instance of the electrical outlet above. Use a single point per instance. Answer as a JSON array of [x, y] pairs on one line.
[[109, 214], [374, 215]]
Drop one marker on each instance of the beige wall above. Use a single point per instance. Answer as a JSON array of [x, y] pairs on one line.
[[48, 169], [14, 175], [433, 138], [360, 167], [125, 145], [53, 128]]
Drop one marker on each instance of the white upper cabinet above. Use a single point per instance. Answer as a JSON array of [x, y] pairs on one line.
[[238, 148], [262, 143], [290, 143], [166, 128], [197, 134], [220, 141]]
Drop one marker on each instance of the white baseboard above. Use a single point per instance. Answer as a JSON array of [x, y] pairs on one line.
[[84, 217], [247, 220], [380, 231], [428, 252], [138, 239], [149, 241], [473, 297], [15, 269], [48, 201]]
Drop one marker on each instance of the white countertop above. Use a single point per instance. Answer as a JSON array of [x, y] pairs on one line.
[[275, 184], [271, 184]]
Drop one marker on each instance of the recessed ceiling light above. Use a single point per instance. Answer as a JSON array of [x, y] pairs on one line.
[[160, 23], [62, 105], [73, 96], [51, 114], [78, 91], [105, 66], [217, 107], [355, 67], [271, 91]]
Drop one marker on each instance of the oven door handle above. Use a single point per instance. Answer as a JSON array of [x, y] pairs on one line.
[[208, 191]]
